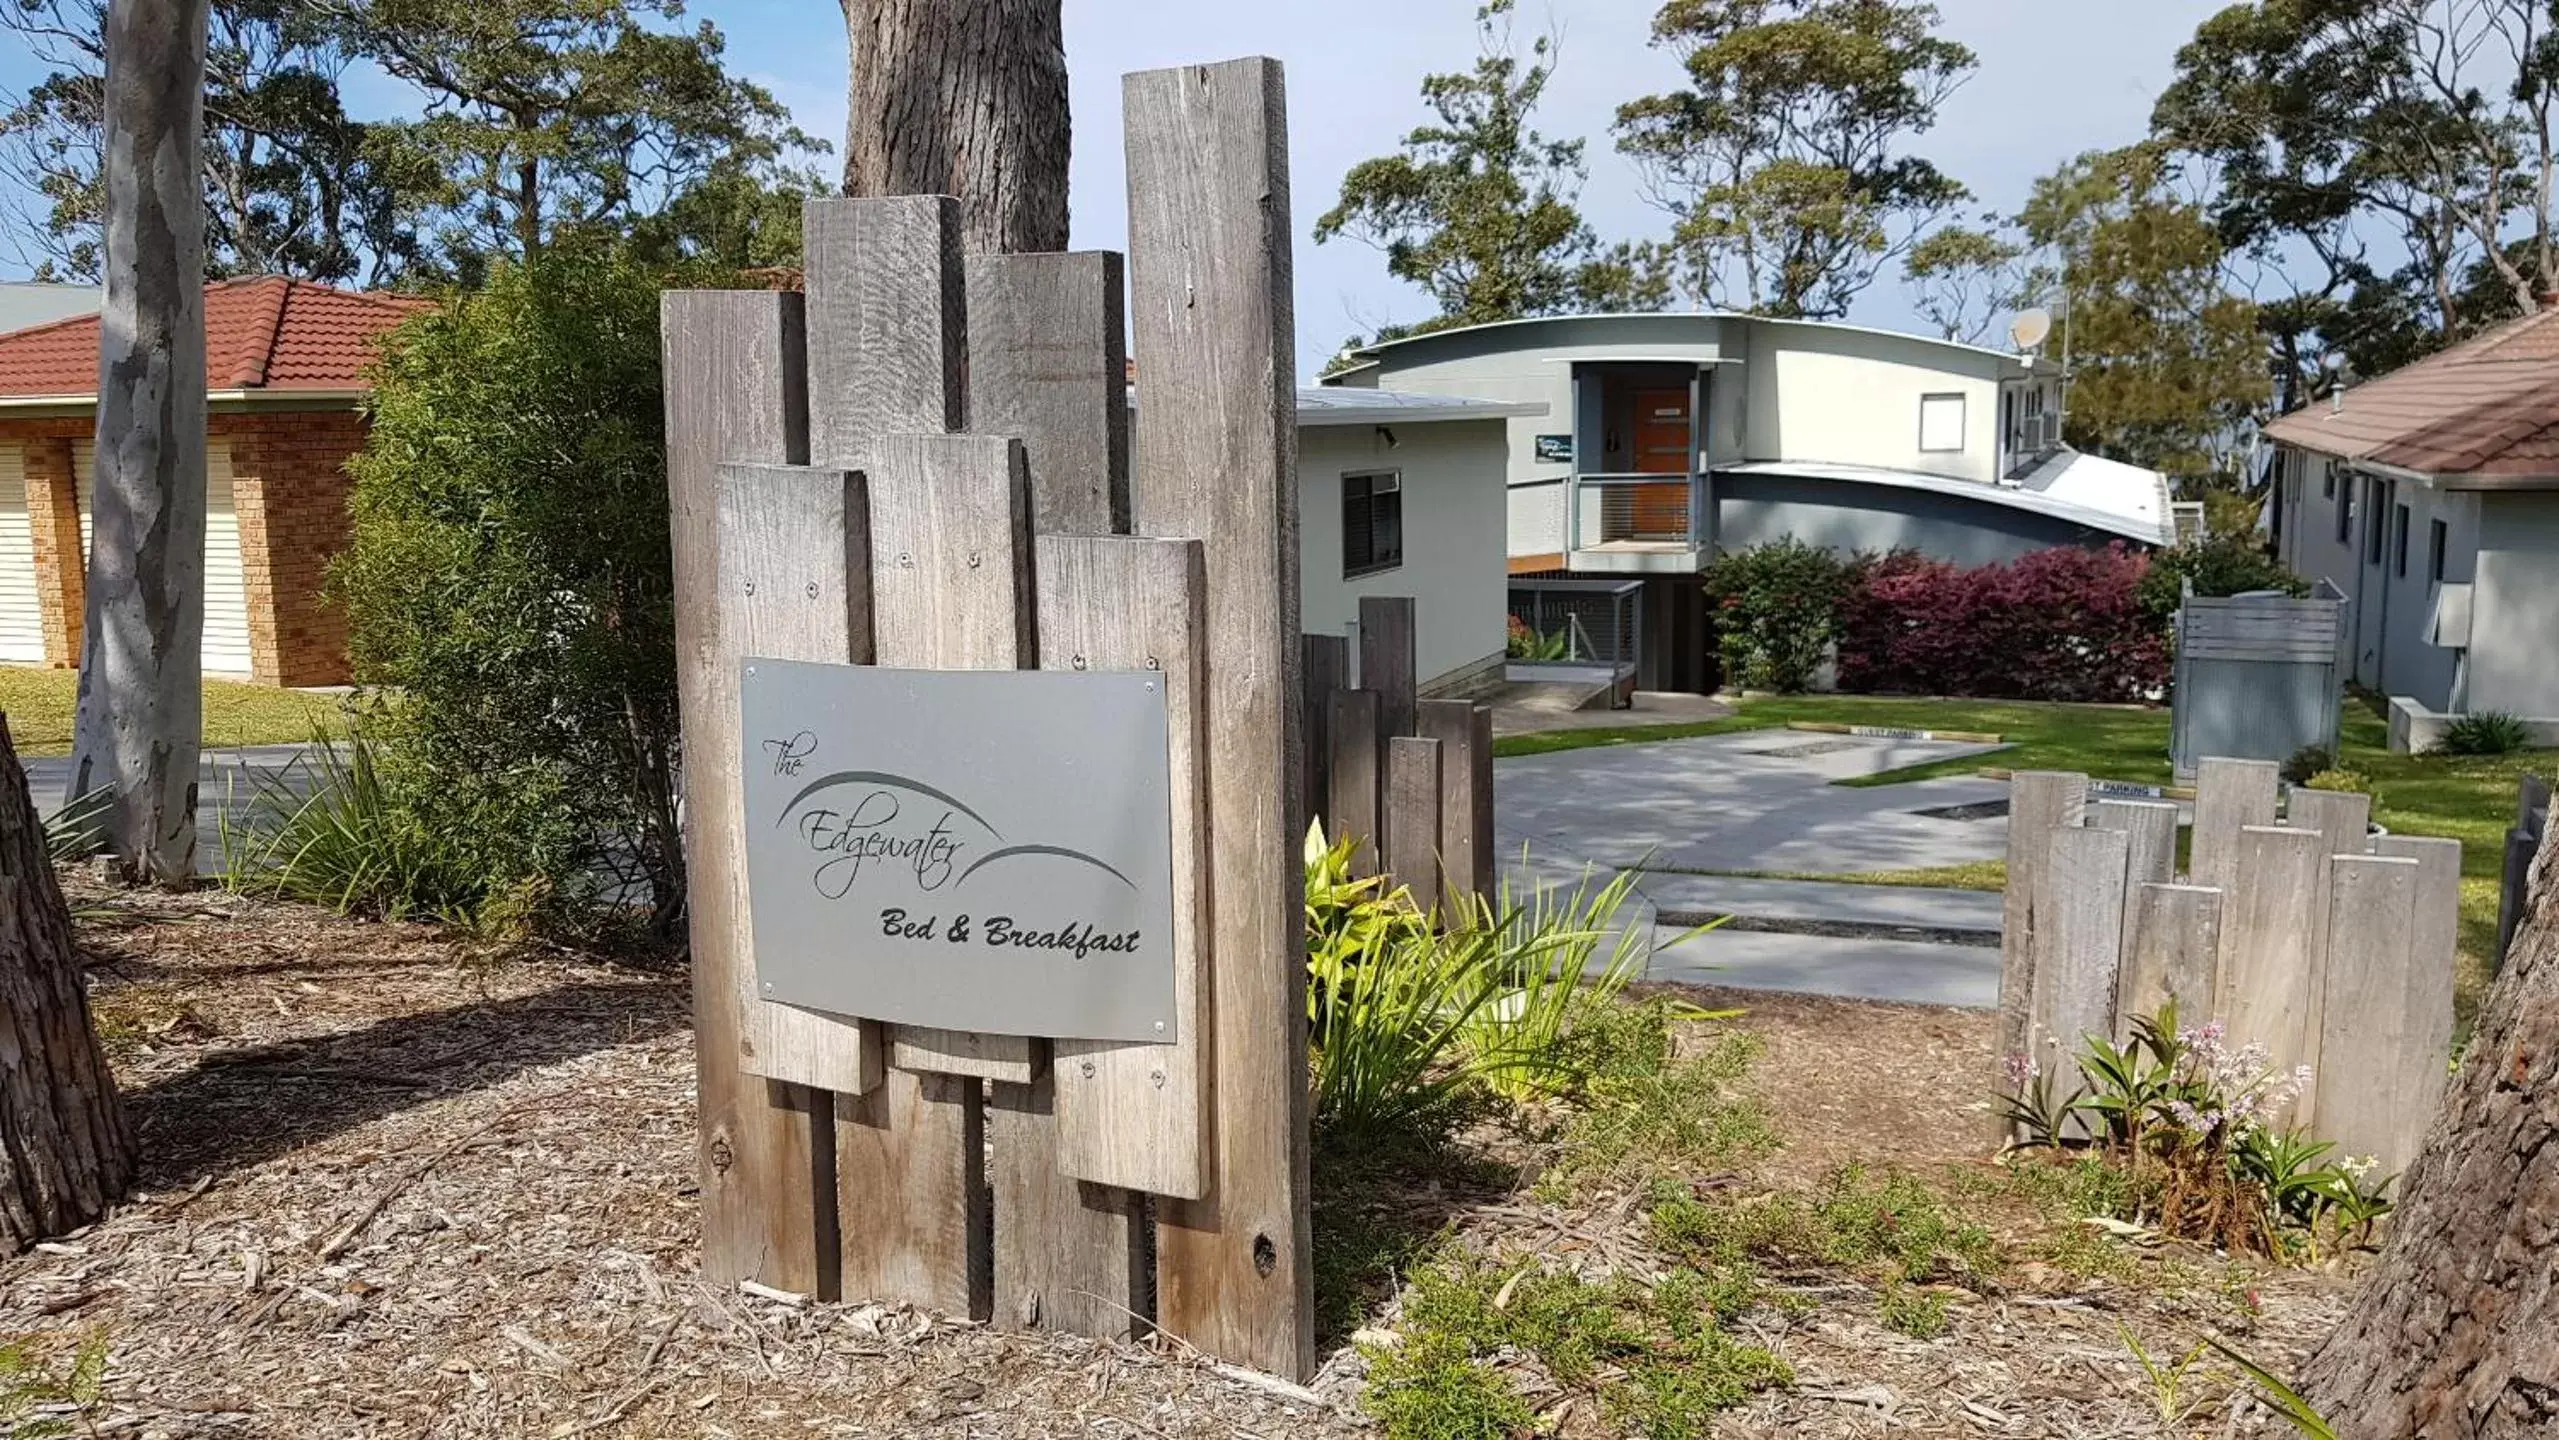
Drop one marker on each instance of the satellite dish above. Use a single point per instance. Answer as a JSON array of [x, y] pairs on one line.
[[2031, 328]]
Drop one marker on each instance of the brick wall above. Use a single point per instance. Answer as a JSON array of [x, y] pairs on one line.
[[53, 527], [289, 484], [53, 524], [289, 487]]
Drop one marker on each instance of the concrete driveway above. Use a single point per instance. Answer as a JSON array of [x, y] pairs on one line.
[[1763, 801]]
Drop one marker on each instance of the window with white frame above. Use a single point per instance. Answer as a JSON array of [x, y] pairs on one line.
[[1941, 423], [1372, 522]]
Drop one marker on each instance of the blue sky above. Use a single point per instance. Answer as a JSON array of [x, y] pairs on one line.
[[2057, 77]]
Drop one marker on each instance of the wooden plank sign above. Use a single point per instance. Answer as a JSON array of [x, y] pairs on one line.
[[1136, 1115], [2079, 919], [1386, 660], [1412, 844], [1210, 327], [2173, 953], [735, 390], [2367, 1048], [2229, 796], [2040, 802], [2274, 944]]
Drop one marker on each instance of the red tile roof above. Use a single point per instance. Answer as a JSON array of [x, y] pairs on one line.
[[2487, 407], [267, 333]]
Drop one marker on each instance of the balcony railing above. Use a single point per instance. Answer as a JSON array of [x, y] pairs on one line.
[[2031, 439], [1636, 512]]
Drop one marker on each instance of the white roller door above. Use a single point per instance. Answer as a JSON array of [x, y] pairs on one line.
[[21, 617], [226, 591]]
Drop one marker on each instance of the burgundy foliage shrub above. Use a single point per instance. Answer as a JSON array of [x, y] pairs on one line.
[[2060, 624]]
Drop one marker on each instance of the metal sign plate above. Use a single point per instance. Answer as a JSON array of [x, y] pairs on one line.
[[982, 850]]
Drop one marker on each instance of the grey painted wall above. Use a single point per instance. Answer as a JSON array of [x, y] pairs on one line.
[[1453, 537], [2514, 636], [2387, 613], [1847, 516]]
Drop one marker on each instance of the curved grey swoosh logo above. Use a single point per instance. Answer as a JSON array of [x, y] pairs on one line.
[[883, 777], [1060, 851]]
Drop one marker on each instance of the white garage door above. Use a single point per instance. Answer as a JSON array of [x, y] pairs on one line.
[[226, 593], [21, 621]]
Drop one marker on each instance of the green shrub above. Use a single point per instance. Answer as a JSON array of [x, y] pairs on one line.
[[343, 828], [1919, 1314], [2222, 565], [2347, 781], [2192, 1120], [1776, 609], [1412, 1023], [2305, 762], [1388, 999], [36, 1402], [2485, 732], [1661, 1358], [1647, 1109], [1429, 1387], [1891, 1227], [510, 578]]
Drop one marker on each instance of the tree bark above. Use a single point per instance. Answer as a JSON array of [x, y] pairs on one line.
[[141, 667], [2455, 1334], [965, 98], [65, 1152]]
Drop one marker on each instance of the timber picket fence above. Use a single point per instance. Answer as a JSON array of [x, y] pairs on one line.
[[1410, 779], [2299, 930], [925, 462]]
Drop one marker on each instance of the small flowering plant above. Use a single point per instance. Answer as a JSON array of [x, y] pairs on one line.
[[2200, 1122]]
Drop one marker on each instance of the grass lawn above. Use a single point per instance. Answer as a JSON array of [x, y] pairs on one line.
[[2469, 798], [39, 705]]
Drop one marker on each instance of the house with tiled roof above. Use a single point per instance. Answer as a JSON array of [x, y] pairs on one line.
[[285, 368], [2430, 497]]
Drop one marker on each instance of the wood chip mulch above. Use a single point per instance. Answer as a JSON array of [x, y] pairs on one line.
[[399, 1184]]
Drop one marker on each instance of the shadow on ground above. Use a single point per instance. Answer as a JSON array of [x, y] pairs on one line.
[[242, 1106], [1378, 1205]]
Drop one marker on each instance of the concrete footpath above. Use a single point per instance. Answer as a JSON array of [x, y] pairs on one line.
[[1765, 801]]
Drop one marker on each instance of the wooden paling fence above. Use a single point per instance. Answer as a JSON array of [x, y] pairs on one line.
[[2301, 932], [1411, 779], [926, 463]]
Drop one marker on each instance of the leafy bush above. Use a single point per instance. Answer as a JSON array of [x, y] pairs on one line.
[[343, 828], [2349, 781], [2058, 624], [2485, 732], [1891, 1227], [1660, 1358], [2193, 1118], [38, 1404], [1526, 643], [2307, 761], [2219, 566], [1776, 610], [1412, 1023], [510, 578], [1647, 1108]]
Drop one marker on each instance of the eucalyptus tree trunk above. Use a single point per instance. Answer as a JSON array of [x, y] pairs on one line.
[[2455, 1333], [141, 666], [69, 1153], [965, 98]]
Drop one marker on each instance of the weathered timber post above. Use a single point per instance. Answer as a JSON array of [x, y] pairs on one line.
[[1210, 260]]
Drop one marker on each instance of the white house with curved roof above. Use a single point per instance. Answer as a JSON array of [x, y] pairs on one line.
[[1670, 438]]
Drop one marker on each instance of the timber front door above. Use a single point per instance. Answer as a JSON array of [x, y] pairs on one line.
[[1663, 440]]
